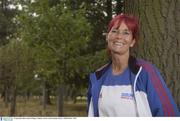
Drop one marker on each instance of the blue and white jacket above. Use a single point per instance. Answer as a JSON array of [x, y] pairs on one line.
[[152, 96]]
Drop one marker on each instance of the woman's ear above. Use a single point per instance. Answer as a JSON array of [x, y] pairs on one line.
[[132, 43]]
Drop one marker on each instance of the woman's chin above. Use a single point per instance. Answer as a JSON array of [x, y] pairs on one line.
[[119, 51]]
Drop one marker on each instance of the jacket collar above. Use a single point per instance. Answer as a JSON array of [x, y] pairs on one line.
[[134, 67]]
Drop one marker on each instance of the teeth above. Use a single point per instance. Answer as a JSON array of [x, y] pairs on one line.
[[118, 43]]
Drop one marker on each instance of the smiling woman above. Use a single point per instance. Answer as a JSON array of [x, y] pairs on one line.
[[127, 86], [122, 31], [120, 39]]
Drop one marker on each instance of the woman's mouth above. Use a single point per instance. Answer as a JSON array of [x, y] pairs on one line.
[[120, 44]]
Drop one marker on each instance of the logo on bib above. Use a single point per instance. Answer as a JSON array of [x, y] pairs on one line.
[[127, 96]]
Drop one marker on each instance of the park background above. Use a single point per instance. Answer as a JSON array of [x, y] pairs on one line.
[[49, 47]]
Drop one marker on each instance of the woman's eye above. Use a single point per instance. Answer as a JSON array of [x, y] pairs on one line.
[[114, 31], [125, 33]]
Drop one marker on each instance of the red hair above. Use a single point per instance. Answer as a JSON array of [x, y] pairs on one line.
[[131, 22]]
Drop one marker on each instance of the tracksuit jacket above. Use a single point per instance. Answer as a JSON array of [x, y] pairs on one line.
[[156, 99]]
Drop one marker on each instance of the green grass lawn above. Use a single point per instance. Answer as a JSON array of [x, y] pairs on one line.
[[34, 108]]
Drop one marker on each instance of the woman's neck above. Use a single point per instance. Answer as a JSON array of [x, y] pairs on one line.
[[119, 63]]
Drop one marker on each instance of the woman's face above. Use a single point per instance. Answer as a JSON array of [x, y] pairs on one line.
[[120, 39]]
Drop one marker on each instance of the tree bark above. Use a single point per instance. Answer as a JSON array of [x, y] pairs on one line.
[[160, 37], [6, 96], [60, 100], [13, 102], [44, 97]]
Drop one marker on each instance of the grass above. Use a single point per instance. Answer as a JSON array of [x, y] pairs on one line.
[[33, 108]]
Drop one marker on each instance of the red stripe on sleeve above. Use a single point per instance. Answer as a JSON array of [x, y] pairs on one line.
[[167, 106]]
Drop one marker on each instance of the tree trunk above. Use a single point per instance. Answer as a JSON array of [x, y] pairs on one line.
[[60, 100], [48, 100], [6, 85], [13, 102], [6, 95], [44, 101], [28, 95], [46, 95], [160, 37]]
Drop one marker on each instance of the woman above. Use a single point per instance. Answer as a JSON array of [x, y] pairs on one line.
[[128, 86]]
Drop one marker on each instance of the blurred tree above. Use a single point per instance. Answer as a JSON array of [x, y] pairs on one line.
[[58, 36], [16, 69], [7, 26]]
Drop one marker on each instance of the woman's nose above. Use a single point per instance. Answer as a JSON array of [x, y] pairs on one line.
[[119, 35]]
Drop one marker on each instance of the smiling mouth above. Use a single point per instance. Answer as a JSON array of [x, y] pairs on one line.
[[119, 43]]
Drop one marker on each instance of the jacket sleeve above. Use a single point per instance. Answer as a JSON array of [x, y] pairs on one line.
[[159, 96], [90, 109]]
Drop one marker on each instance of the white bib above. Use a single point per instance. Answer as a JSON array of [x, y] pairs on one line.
[[117, 101]]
